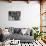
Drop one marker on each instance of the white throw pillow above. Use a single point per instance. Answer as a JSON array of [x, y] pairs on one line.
[[23, 31]]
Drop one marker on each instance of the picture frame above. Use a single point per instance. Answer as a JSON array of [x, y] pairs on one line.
[[14, 15]]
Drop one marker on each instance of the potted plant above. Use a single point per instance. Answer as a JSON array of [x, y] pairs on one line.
[[37, 33]]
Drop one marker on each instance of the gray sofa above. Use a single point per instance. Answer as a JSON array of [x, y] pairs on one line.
[[17, 35]]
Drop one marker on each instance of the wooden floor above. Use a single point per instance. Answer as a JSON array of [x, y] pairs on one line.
[[35, 43]]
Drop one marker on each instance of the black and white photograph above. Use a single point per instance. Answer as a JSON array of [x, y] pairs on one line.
[[14, 15]]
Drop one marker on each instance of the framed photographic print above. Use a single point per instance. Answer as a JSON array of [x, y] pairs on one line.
[[14, 15]]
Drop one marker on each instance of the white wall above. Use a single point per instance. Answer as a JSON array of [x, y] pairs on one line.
[[30, 14]]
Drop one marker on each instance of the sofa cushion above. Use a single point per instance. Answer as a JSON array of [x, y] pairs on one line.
[[22, 38]]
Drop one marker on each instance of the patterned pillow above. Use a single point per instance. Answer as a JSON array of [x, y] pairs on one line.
[[17, 30], [11, 30]]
